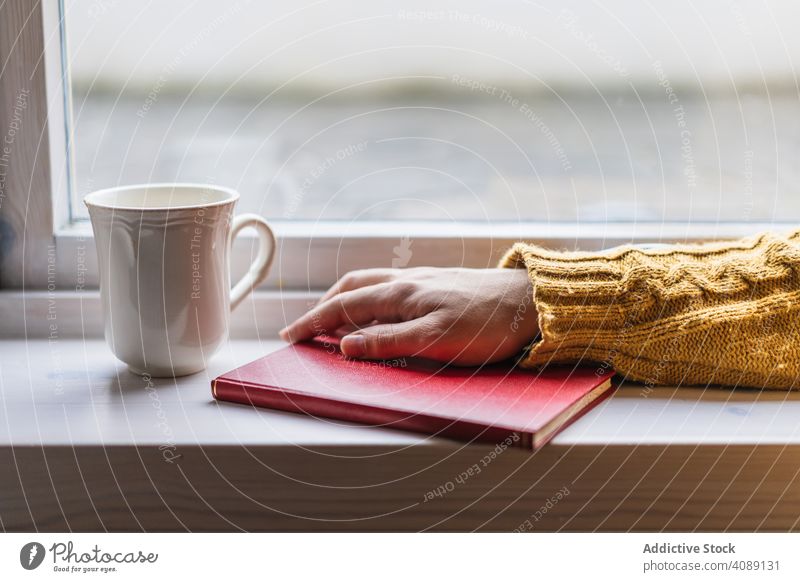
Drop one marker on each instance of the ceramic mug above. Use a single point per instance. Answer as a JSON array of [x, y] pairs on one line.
[[163, 255]]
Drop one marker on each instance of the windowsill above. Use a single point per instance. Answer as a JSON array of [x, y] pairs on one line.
[[73, 392], [87, 446]]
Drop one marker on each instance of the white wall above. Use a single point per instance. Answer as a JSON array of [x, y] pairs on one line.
[[251, 45]]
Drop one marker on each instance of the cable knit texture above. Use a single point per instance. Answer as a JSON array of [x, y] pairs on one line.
[[718, 313]]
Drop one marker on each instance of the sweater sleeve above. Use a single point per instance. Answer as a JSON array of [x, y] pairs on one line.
[[719, 313]]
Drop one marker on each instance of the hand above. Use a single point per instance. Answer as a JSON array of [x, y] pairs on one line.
[[459, 316]]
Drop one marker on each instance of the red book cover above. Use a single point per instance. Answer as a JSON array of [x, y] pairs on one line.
[[492, 403]]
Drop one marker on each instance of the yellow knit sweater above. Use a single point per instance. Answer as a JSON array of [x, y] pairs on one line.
[[718, 313]]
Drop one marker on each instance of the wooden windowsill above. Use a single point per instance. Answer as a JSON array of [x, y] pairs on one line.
[[85, 445]]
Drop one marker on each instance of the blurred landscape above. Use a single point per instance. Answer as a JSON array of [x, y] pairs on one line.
[[349, 111]]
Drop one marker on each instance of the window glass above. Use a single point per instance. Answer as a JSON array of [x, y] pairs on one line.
[[454, 111]]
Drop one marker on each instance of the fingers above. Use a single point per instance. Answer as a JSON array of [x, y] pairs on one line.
[[358, 279], [348, 329], [357, 308], [390, 340]]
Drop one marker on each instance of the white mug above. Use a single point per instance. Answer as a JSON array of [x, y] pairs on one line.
[[163, 254]]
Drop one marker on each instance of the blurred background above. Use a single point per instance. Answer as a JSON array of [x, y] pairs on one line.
[[456, 111]]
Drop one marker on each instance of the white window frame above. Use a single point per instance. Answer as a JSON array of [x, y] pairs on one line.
[[311, 256]]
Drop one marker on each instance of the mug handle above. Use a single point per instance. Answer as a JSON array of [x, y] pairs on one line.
[[266, 254]]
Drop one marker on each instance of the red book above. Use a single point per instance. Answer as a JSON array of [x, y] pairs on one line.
[[493, 403]]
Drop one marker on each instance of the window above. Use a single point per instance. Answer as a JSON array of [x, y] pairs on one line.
[[452, 128], [359, 111]]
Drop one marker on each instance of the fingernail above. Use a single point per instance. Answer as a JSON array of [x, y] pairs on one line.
[[353, 346], [284, 334]]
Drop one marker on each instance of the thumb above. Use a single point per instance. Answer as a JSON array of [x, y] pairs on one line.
[[386, 341]]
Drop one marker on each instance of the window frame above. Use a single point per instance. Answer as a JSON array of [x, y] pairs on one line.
[[48, 251]]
